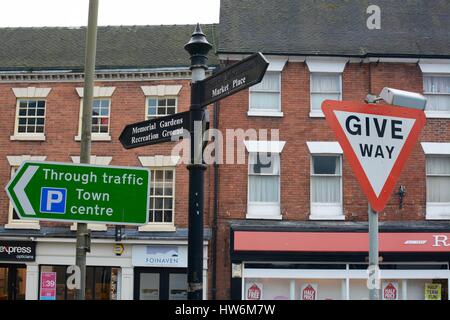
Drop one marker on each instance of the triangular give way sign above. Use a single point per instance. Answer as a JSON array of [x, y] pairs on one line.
[[376, 140]]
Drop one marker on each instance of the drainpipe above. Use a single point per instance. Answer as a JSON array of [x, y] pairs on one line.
[[216, 210]]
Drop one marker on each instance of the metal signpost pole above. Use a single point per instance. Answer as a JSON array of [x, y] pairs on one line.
[[373, 254], [198, 47], [83, 236]]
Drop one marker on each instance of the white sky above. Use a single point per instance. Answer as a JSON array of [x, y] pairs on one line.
[[38, 13]]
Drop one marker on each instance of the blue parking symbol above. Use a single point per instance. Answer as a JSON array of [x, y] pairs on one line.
[[53, 200]]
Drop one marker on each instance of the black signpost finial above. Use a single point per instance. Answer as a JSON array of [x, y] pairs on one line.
[[198, 47]]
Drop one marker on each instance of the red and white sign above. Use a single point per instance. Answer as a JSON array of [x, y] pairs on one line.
[[48, 286], [308, 291], [254, 291], [292, 241], [390, 290], [376, 140]]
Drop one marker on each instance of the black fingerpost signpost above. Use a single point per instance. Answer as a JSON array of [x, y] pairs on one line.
[[226, 82]]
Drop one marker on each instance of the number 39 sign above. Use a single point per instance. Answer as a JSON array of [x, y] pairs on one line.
[[48, 286]]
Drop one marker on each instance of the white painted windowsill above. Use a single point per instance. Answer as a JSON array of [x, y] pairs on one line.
[[22, 225], [154, 227], [257, 113], [438, 211], [96, 137], [91, 226], [316, 114], [28, 137], [325, 217], [437, 115], [263, 217]]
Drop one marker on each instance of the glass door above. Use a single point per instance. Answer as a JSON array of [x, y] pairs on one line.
[[12, 282], [160, 284]]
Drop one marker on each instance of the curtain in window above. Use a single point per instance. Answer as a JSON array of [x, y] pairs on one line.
[[438, 181], [264, 177], [326, 189], [323, 87], [266, 94], [440, 87]]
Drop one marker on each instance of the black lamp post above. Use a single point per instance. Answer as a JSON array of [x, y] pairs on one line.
[[198, 48]]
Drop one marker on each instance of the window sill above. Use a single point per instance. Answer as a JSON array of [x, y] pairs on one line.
[[438, 211], [325, 217], [263, 217], [22, 225], [27, 137], [254, 113], [91, 226], [316, 115], [154, 227], [438, 115], [96, 137]]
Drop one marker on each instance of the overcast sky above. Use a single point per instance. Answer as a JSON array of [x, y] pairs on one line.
[[73, 13]]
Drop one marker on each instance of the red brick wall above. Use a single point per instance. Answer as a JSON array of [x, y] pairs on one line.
[[296, 127], [61, 126]]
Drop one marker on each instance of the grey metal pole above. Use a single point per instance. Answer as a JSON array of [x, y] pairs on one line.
[[83, 234], [198, 47], [373, 252]]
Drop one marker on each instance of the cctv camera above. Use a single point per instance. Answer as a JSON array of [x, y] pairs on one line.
[[403, 98]]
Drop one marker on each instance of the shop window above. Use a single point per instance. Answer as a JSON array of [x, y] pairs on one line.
[[162, 196], [324, 86], [101, 282], [326, 187], [438, 184], [265, 97], [436, 88], [264, 185], [160, 106]]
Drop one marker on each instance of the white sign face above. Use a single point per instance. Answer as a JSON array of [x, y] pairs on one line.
[[159, 256], [377, 142], [390, 290]]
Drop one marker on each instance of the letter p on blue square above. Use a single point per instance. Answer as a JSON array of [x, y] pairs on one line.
[[53, 200]]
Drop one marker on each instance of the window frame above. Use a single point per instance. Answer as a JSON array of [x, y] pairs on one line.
[[433, 113], [435, 210], [263, 210], [323, 210], [147, 99], [164, 169], [96, 136], [265, 112], [39, 136], [318, 113]]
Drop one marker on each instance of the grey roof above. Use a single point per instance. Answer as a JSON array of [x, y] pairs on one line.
[[417, 28], [118, 47]]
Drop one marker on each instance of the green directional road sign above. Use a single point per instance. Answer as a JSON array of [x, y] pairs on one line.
[[80, 193]]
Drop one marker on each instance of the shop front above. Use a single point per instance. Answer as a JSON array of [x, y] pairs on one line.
[[13, 256], [160, 272], [272, 264]]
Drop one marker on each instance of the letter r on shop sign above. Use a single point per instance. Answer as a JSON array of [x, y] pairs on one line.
[[53, 200]]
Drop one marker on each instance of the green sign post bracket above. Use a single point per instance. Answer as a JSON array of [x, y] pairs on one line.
[[53, 191]]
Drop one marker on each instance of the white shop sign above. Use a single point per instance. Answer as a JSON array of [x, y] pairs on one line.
[[159, 256]]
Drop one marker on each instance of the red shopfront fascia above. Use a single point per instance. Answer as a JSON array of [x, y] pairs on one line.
[[277, 241]]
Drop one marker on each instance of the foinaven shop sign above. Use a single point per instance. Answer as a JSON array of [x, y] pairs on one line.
[[80, 193]]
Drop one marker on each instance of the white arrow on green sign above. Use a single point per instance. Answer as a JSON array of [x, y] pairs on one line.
[[53, 191]]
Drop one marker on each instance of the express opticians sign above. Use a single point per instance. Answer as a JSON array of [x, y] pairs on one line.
[[17, 251]]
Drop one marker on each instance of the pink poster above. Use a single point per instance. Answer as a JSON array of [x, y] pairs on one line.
[[48, 286]]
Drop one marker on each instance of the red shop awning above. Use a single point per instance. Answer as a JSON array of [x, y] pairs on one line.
[[277, 241]]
